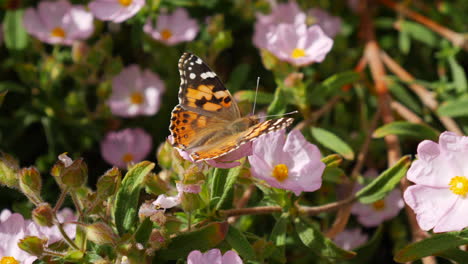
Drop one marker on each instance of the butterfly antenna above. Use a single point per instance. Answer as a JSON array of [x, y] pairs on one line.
[[290, 113], [256, 92]]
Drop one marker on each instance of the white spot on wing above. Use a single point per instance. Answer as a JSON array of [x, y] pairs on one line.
[[204, 76], [193, 75], [199, 61]]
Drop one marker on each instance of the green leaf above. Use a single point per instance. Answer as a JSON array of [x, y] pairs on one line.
[[239, 242], [318, 243], [12, 87], [278, 234], [434, 245], [143, 232], [126, 201], [379, 187], [404, 128], [336, 81], [332, 142], [458, 75], [455, 108], [419, 32], [333, 160], [249, 96], [404, 42], [203, 239], [228, 189], [217, 182], [15, 35], [333, 174], [457, 255], [278, 105], [403, 96]]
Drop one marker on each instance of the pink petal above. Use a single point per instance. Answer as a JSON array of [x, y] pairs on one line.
[[429, 204], [455, 219], [231, 257]]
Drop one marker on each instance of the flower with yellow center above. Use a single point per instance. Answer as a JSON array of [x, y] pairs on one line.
[[298, 53], [280, 172], [136, 98], [9, 260], [166, 34], [459, 185], [127, 157], [125, 2], [379, 205], [58, 32]]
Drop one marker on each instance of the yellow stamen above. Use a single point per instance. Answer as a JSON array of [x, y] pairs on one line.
[[379, 205], [8, 260], [136, 98], [125, 2], [128, 157], [166, 34], [58, 32], [280, 172], [298, 53], [459, 185]]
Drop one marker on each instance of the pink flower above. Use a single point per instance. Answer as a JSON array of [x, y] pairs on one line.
[[213, 256], [58, 22], [126, 146], [283, 13], [371, 215], [116, 11], [173, 28], [136, 92], [440, 174], [290, 163], [351, 238], [13, 228], [331, 25], [224, 162], [299, 45]]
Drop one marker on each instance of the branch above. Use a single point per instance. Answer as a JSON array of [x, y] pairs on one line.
[[426, 96], [456, 38]]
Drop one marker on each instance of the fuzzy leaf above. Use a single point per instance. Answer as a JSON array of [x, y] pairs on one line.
[[239, 242], [383, 184], [336, 81], [318, 243], [404, 128], [458, 75], [228, 189], [15, 35], [332, 142], [203, 239], [126, 202], [455, 108]]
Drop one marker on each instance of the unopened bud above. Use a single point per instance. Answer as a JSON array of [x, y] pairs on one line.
[[157, 239], [75, 175], [43, 215], [108, 183], [101, 234], [79, 50], [30, 182], [193, 175], [154, 184], [164, 155], [9, 168], [190, 201], [33, 245]]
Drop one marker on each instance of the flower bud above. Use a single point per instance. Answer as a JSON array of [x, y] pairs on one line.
[[30, 182], [79, 51], [43, 215], [190, 201], [164, 155], [154, 184], [193, 175], [157, 239], [9, 168], [33, 245], [108, 183], [101, 234], [75, 175]]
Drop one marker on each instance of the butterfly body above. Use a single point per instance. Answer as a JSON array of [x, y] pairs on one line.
[[207, 121]]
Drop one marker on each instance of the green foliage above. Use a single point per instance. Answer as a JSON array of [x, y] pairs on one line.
[[403, 128]]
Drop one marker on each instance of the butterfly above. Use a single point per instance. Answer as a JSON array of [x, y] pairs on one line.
[[207, 122]]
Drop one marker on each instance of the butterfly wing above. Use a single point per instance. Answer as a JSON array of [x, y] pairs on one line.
[[205, 105], [230, 143]]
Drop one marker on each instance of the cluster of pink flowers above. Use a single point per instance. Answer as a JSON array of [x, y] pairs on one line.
[[286, 34], [63, 23], [13, 228], [213, 256]]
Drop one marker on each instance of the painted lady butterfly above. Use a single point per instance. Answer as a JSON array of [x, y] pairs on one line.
[[207, 121]]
